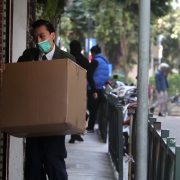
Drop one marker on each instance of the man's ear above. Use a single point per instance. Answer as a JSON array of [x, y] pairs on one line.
[[53, 35]]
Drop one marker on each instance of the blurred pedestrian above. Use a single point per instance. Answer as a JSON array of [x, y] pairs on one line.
[[98, 75], [161, 89], [75, 50]]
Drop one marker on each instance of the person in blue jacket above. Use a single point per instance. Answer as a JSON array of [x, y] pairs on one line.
[[161, 88], [97, 75]]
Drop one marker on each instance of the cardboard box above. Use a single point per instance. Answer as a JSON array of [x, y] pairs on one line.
[[43, 98]]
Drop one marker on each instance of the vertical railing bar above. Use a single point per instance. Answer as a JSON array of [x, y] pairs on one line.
[[120, 141], [177, 163]]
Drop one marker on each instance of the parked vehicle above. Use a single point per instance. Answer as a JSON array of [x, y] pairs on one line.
[[127, 96]]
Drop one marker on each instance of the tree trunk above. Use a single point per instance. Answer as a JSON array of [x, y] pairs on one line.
[[124, 56]]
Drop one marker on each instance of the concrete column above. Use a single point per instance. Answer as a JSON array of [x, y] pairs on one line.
[[19, 28], [141, 169], [16, 154]]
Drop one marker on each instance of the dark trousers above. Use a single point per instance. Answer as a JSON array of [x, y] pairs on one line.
[[93, 105], [45, 156]]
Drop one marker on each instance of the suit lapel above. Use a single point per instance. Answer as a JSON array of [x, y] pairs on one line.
[[57, 53], [37, 54]]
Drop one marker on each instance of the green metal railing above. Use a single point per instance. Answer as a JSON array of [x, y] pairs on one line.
[[102, 118], [115, 117], [163, 154]]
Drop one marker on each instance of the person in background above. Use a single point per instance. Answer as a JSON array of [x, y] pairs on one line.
[[45, 155], [75, 50], [161, 89], [97, 75]]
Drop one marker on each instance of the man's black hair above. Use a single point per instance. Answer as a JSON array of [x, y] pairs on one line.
[[75, 47], [45, 23], [96, 49]]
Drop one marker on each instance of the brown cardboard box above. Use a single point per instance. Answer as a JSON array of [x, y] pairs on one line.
[[43, 98]]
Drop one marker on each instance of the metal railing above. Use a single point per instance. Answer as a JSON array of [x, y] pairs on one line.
[[115, 118], [102, 118], [132, 147], [163, 154]]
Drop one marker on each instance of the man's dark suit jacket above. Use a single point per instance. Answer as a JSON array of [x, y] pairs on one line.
[[32, 54]]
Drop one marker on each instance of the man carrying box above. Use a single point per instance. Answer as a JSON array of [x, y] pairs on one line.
[[45, 155]]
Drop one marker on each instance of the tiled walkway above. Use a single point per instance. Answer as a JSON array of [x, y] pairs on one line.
[[89, 160]]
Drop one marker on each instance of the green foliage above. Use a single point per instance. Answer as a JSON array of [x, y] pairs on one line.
[[160, 8], [108, 25], [51, 11], [152, 81], [66, 31], [174, 84], [112, 23], [169, 27], [173, 81]]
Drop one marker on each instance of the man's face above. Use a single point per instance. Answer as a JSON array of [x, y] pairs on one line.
[[41, 34], [164, 70]]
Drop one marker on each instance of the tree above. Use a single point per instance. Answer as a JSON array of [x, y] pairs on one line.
[[51, 11], [117, 27], [110, 24], [169, 27], [114, 25]]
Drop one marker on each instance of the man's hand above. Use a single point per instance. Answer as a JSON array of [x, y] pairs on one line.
[[86, 124], [95, 95]]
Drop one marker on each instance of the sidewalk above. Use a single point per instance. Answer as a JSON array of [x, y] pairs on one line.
[[89, 160], [172, 123]]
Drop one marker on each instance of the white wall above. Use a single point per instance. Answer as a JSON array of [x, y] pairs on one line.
[[19, 28], [16, 159], [19, 44]]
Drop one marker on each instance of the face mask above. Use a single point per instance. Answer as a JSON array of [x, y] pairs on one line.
[[44, 46]]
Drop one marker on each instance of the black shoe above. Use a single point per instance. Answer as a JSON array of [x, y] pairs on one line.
[[90, 130], [75, 138], [78, 138], [72, 141], [161, 115]]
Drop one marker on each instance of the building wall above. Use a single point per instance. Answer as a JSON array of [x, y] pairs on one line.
[[19, 28], [16, 149], [15, 20]]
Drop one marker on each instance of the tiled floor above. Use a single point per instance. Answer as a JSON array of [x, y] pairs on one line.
[[89, 160]]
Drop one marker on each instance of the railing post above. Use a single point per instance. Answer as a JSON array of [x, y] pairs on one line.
[[171, 142], [115, 133], [120, 141], [164, 133], [150, 115], [152, 120], [177, 163]]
